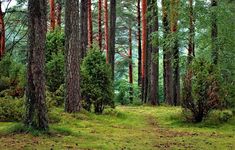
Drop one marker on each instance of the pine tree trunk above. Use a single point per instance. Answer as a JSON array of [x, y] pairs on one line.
[[2, 33], [72, 102], [106, 30], [52, 15], [154, 97], [130, 66], [112, 36], [187, 95], [36, 113], [214, 32], [83, 28], [139, 42], [100, 24], [167, 56], [144, 47], [90, 28], [175, 50], [58, 13]]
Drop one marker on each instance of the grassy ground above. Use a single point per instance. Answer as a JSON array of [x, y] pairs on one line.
[[140, 128]]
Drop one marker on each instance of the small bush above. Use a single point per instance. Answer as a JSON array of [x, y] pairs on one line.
[[11, 109], [55, 72], [96, 81], [204, 95]]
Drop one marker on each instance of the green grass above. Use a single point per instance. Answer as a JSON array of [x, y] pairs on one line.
[[141, 128]]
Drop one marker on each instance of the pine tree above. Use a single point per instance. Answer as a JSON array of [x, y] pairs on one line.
[[36, 113], [2, 32], [72, 100]]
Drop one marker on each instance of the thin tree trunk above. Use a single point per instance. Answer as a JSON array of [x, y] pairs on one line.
[[83, 28], [58, 13], [144, 46], [90, 28], [52, 15], [2, 33], [72, 102], [139, 42], [106, 30], [167, 68], [214, 32], [130, 66], [191, 48], [100, 23], [112, 36], [175, 49], [154, 97], [36, 112]]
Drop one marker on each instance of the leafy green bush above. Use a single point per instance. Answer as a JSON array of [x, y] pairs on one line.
[[54, 43], [96, 81], [205, 90], [12, 77], [217, 117], [55, 71], [11, 109]]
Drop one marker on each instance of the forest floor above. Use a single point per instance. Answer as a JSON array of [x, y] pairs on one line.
[[134, 128]]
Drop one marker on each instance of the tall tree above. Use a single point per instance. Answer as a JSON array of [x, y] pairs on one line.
[[83, 27], [175, 50], [106, 29], [58, 12], [167, 68], [144, 46], [90, 28], [214, 32], [139, 41], [72, 102], [100, 23], [154, 97], [2, 32], [52, 14], [187, 89], [112, 36], [36, 113], [130, 66]]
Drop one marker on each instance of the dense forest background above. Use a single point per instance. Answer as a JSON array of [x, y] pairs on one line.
[[97, 56]]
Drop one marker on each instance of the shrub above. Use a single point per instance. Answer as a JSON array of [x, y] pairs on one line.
[[205, 90], [96, 81], [12, 77], [55, 71], [11, 109], [54, 43]]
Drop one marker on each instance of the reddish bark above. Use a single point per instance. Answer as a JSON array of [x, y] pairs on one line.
[[2, 33], [100, 23], [90, 32], [52, 14], [106, 29], [144, 43], [130, 66]]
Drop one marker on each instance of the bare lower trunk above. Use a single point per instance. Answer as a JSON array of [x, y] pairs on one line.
[[167, 56], [214, 33], [106, 30], [112, 36], [90, 28], [130, 67], [36, 112], [154, 97], [72, 102], [58, 13], [83, 28], [100, 24]]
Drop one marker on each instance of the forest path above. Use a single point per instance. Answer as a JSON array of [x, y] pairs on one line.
[[125, 128]]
